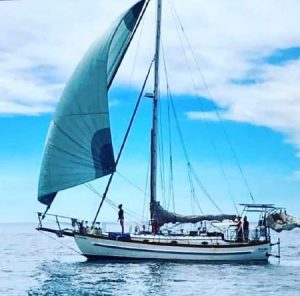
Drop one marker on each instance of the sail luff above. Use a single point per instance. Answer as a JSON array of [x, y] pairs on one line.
[[129, 42]]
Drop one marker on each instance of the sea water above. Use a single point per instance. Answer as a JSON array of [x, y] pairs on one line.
[[33, 263]]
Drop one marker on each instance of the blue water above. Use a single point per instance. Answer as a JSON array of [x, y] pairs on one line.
[[34, 264]]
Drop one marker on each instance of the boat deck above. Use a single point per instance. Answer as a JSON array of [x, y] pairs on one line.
[[160, 239]]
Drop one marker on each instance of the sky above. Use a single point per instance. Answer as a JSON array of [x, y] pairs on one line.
[[238, 61]]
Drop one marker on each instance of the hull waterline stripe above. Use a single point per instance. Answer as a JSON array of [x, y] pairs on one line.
[[171, 252], [202, 261]]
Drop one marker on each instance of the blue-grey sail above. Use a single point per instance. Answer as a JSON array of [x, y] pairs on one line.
[[79, 145]]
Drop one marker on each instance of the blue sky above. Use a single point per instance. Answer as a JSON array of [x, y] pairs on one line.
[[253, 80]]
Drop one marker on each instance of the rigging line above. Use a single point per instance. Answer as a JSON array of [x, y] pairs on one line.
[[197, 91], [60, 243], [203, 189], [161, 155], [192, 192], [213, 104], [187, 158], [94, 190], [136, 53], [134, 216], [171, 173], [184, 51], [180, 133], [185, 149], [177, 123], [123, 143], [198, 204], [128, 44], [146, 185], [128, 211], [130, 182], [194, 195]]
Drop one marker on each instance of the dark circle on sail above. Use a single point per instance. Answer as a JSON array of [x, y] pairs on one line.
[[130, 20], [102, 152]]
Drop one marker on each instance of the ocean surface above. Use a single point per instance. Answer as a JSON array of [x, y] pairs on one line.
[[36, 264]]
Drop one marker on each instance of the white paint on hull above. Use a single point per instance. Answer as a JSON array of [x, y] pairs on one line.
[[101, 247]]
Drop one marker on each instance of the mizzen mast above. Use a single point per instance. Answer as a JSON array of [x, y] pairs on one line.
[[154, 130]]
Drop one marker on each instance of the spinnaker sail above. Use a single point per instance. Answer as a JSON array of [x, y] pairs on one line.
[[79, 145]]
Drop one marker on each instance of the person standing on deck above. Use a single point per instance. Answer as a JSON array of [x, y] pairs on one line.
[[239, 230], [246, 229], [121, 217]]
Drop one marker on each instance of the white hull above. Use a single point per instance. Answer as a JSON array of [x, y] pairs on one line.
[[97, 248]]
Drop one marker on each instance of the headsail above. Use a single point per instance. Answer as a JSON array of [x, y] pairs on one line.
[[79, 146], [162, 216]]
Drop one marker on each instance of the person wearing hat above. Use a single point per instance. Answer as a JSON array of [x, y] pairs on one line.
[[121, 217]]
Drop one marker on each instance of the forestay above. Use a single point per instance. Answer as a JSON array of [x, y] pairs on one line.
[[79, 146]]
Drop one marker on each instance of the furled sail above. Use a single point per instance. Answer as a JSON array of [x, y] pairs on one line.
[[79, 146], [162, 216], [279, 221]]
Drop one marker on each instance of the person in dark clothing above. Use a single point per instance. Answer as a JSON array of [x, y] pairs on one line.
[[121, 217], [80, 227], [239, 230], [246, 229]]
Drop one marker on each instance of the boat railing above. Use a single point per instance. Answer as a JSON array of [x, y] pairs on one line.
[[257, 233], [60, 225], [63, 225], [67, 226], [260, 233]]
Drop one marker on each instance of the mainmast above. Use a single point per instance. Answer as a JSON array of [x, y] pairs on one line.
[[154, 129]]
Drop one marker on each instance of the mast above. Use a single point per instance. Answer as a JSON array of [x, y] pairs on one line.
[[154, 130]]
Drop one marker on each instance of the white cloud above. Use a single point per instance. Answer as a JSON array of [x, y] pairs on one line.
[[42, 41]]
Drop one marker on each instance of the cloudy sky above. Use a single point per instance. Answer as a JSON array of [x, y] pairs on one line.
[[244, 55]]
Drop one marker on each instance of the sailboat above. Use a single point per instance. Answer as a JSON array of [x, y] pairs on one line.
[[79, 149]]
